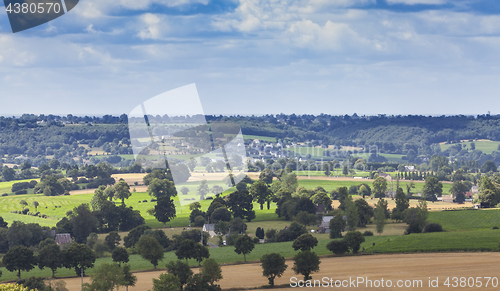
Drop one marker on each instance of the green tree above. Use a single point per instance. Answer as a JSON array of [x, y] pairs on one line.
[[402, 204], [379, 187], [273, 265], [78, 256], [211, 271], [99, 198], [184, 190], [306, 218], [432, 187], [305, 263], [107, 277], [166, 282], [244, 245], [338, 247], [50, 256], [112, 240], [181, 270], [200, 252], [23, 203], [19, 258], [240, 204], [150, 249], [216, 189], [458, 190], [202, 189], [488, 196], [164, 210], [266, 175], [84, 222], [185, 250], [489, 166], [379, 216], [122, 191], [337, 224], [305, 242], [365, 212], [416, 218], [260, 192], [352, 214], [354, 240], [120, 255], [160, 188], [128, 278]]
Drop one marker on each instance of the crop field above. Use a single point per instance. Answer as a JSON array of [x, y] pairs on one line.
[[486, 146], [471, 219]]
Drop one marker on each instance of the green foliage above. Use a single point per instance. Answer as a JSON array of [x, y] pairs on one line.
[[166, 282], [150, 249], [106, 278], [78, 256], [337, 224], [379, 216], [273, 265], [338, 247], [353, 240], [351, 213], [432, 187], [50, 256], [133, 236], [416, 218], [185, 250], [305, 242], [305, 263], [120, 255], [244, 245], [240, 204], [379, 187], [211, 271], [181, 270], [112, 240], [19, 258]]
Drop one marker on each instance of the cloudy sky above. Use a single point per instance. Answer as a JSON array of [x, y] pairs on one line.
[[258, 57]]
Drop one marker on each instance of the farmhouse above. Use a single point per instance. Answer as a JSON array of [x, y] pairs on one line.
[[210, 229]]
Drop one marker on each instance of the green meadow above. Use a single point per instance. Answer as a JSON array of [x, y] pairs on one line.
[[486, 146]]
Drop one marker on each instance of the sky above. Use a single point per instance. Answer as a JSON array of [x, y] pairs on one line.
[[430, 57]]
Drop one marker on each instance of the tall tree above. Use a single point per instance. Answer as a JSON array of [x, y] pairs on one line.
[[240, 204], [260, 193], [244, 245], [305, 242], [337, 224], [458, 190], [112, 240], [166, 282], [150, 249], [120, 255], [379, 216], [50, 256], [79, 257], [185, 250], [181, 270], [379, 187], [128, 278], [122, 191], [211, 271], [164, 210], [19, 258], [432, 187], [351, 213], [202, 189], [273, 265], [305, 263], [84, 222]]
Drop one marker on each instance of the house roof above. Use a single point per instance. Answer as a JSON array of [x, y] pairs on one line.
[[63, 238]]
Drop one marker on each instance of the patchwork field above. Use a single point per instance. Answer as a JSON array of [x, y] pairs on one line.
[[486, 146]]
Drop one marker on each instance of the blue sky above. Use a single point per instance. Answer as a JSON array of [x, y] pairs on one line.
[[258, 57]]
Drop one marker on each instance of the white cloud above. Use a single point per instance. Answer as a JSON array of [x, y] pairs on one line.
[[153, 28]]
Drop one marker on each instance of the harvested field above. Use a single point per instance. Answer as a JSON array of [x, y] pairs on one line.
[[374, 267]]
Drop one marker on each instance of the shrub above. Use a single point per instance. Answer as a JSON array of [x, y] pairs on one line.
[[144, 200], [26, 210], [153, 200], [368, 233], [354, 240], [255, 240], [495, 227], [338, 247], [66, 194], [271, 235], [20, 192], [433, 227], [5, 194]]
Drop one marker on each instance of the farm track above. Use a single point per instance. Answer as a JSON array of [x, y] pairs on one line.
[[374, 267]]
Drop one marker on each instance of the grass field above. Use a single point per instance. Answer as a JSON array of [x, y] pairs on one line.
[[472, 240], [259, 137], [6, 187], [486, 146], [470, 219]]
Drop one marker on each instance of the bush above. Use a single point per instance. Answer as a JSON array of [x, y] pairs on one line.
[[495, 227], [255, 240], [271, 235], [153, 200], [199, 221], [368, 233], [20, 192], [144, 200], [5, 194], [338, 247], [26, 210], [433, 227], [353, 240]]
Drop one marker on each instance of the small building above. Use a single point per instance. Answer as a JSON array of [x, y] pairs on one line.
[[386, 176], [320, 209], [63, 238], [210, 229]]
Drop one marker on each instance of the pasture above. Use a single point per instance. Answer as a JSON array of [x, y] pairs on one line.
[[484, 145]]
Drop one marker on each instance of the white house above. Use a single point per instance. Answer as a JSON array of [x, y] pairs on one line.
[[210, 229]]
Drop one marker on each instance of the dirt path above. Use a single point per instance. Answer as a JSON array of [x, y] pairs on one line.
[[376, 267]]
